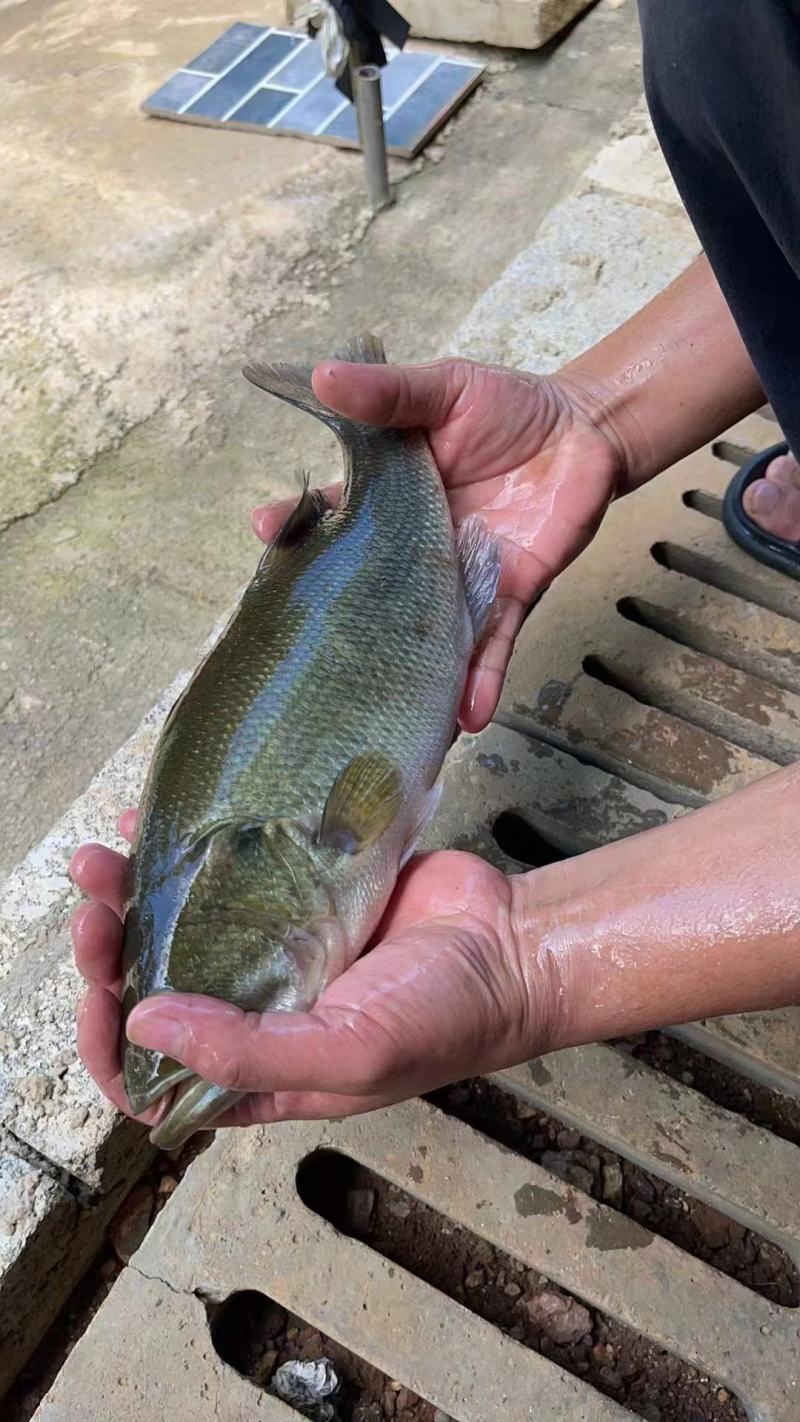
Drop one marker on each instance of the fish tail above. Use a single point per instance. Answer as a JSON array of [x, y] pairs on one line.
[[292, 383], [195, 1108]]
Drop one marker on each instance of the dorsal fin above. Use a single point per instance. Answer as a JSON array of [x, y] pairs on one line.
[[363, 350], [306, 514]]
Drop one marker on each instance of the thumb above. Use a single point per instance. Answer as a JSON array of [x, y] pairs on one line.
[[399, 396], [274, 1051]]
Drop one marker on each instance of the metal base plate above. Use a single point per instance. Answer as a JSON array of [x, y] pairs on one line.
[[267, 80]]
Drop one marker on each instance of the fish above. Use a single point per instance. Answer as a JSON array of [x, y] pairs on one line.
[[297, 771]]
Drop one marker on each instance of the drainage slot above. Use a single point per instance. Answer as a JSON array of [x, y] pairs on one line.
[[731, 453], [762, 1105], [519, 1301], [255, 1335], [755, 585], [521, 841], [703, 637], [704, 503], [600, 759], [662, 1208], [713, 716]]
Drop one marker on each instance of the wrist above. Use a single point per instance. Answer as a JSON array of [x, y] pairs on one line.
[[674, 376], [698, 918], [610, 404], [548, 949]]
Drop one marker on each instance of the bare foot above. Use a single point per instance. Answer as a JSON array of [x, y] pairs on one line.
[[774, 502]]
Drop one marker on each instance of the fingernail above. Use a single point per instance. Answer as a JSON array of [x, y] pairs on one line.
[[764, 496], [159, 1029]]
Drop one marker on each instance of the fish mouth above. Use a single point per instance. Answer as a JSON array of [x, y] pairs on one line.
[[149, 1078], [194, 1107]]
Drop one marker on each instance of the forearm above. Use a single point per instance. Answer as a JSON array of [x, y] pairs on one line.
[[695, 919], [670, 379]]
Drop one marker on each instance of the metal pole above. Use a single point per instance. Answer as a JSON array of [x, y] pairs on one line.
[[369, 104]]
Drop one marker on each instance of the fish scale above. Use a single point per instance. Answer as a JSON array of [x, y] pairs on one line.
[[297, 769]]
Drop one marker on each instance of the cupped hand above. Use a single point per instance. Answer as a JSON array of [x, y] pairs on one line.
[[529, 453], [443, 994]]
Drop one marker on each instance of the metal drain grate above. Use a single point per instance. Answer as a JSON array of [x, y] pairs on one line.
[[690, 694]]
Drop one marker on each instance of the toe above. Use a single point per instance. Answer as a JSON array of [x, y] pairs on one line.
[[775, 507], [785, 471]]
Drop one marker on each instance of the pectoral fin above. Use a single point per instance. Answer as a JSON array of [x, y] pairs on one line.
[[362, 804], [427, 811], [479, 556]]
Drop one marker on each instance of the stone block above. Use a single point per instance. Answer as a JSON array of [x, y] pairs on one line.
[[509, 24], [634, 167], [179, 1375]]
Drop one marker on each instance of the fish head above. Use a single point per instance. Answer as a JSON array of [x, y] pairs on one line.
[[247, 914], [257, 922]]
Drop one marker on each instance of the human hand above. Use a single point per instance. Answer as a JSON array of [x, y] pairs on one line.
[[444, 993], [529, 453]]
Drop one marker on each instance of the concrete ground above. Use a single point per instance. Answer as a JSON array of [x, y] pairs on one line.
[[143, 262]]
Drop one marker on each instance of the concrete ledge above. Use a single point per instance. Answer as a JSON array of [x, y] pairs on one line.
[[598, 257], [47, 1099], [48, 1238]]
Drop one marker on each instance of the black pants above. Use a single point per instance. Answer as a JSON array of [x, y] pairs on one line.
[[723, 84]]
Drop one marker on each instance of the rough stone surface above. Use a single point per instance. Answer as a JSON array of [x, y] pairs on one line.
[[596, 260], [46, 1097], [182, 1376], [634, 167], [35, 1213], [599, 256], [47, 1240]]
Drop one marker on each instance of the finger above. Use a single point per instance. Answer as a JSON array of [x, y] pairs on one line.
[[97, 939], [403, 397], [489, 666], [99, 1039], [268, 1107], [268, 519], [100, 873], [239, 1050], [339, 1050], [126, 824]]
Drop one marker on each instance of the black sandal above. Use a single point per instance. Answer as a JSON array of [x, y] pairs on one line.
[[778, 553]]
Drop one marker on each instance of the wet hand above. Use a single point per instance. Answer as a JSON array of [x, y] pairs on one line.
[[528, 453], [443, 994]]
